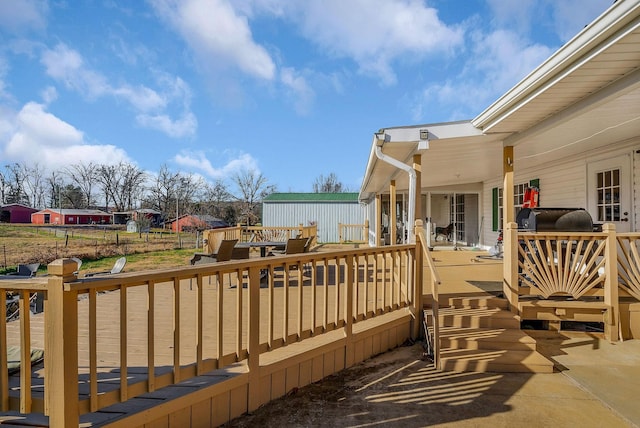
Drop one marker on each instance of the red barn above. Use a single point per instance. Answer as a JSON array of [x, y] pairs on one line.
[[16, 213], [70, 216]]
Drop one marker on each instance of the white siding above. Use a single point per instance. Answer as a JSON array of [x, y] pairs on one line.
[[327, 215], [562, 183]]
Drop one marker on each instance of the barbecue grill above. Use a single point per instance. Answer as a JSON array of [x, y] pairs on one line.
[[555, 219]]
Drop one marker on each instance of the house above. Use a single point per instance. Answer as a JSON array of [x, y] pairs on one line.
[[571, 129], [16, 213], [70, 216], [326, 210], [153, 216], [193, 222]]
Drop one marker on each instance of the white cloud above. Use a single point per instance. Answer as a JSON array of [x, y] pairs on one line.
[[35, 135], [375, 34], [67, 66], [571, 16], [299, 91], [19, 16], [198, 160], [219, 36], [185, 126], [497, 62]]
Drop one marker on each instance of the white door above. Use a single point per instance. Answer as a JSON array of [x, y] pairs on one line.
[[609, 192]]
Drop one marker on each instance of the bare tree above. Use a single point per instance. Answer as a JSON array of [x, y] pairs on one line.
[[15, 179], [34, 184], [329, 184], [85, 177], [161, 191], [121, 184], [216, 195], [253, 188], [55, 184]]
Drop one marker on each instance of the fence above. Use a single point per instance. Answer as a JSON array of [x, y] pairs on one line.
[[213, 237], [354, 233], [153, 329]]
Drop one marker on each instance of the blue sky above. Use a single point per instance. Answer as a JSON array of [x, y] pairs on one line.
[[291, 88]]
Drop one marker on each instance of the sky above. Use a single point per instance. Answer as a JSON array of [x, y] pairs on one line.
[[293, 89]]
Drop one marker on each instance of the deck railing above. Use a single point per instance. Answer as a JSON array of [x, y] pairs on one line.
[[213, 237], [194, 320], [434, 288], [353, 233], [587, 268]]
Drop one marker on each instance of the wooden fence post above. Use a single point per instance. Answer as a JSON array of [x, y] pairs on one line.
[[61, 346], [611, 300]]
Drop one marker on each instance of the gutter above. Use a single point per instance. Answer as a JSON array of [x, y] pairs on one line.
[[381, 138]]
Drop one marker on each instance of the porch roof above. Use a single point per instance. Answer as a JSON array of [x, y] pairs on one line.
[[586, 95]]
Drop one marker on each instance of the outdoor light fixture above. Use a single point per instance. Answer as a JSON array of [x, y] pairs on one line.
[[381, 137], [424, 134]]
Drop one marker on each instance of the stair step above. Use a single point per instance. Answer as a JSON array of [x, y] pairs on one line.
[[486, 338], [478, 317], [474, 302], [494, 361]]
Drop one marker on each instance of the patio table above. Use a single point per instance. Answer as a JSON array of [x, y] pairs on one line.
[[263, 245]]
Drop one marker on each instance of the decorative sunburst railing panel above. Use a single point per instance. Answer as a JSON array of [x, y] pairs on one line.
[[565, 265], [629, 263]]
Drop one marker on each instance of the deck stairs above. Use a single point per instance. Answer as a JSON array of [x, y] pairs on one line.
[[480, 334]]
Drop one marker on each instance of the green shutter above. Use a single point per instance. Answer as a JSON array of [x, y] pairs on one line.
[[494, 203]]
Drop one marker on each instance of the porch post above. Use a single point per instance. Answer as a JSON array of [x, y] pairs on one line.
[[378, 223], [417, 167], [393, 228], [507, 186], [510, 237], [61, 346], [611, 321], [510, 282]]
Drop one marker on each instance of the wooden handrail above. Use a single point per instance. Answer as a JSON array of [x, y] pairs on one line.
[[435, 285], [242, 308]]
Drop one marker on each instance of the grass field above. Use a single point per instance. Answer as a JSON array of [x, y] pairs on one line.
[[97, 246]]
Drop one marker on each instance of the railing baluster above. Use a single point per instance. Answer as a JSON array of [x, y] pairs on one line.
[[271, 291], [93, 351], [176, 330], [25, 352], [325, 301], [285, 309], [151, 333], [4, 375], [300, 300], [200, 326], [219, 325], [239, 314], [124, 383]]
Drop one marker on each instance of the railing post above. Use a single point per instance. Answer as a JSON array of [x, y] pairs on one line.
[[510, 281], [253, 359], [61, 346], [340, 233], [348, 310], [611, 284], [416, 307]]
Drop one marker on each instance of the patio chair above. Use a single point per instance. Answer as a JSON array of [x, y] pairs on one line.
[[118, 267], [294, 246], [225, 253], [27, 269], [79, 262]]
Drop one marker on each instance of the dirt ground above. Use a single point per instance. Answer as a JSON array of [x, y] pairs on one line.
[[401, 389]]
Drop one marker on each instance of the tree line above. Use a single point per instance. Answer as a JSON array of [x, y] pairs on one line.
[[124, 187]]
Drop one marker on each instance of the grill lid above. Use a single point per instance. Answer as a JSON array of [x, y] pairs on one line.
[[554, 219]]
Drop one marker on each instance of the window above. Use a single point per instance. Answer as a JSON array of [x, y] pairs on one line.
[[518, 198], [608, 191]]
